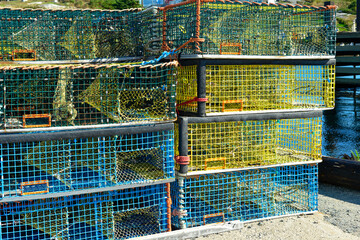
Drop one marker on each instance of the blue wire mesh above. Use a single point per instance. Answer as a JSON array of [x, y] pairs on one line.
[[244, 195], [38, 34], [119, 214], [70, 95], [72, 164]]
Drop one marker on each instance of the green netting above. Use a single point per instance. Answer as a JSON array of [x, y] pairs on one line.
[[144, 164], [243, 28], [28, 34], [140, 222]]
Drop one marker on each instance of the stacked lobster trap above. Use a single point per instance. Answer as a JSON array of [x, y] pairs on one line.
[[87, 133], [253, 82]]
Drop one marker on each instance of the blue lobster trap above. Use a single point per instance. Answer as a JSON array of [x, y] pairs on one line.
[[52, 162], [121, 214], [244, 195]]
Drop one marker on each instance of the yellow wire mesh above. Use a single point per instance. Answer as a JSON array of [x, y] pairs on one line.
[[226, 145], [259, 87]]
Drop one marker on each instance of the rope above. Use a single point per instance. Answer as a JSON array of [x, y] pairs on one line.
[[163, 55], [195, 99]]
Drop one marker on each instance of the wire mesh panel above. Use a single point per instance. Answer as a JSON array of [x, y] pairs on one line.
[[244, 195], [236, 144], [258, 88], [29, 35], [60, 96], [119, 214], [83, 162], [244, 28]]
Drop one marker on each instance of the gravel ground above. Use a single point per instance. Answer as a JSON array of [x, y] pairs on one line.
[[338, 218]]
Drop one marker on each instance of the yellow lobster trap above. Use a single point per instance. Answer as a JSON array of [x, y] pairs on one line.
[[227, 89], [251, 140]]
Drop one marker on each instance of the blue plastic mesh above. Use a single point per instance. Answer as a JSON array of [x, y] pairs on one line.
[[120, 214], [244, 195], [96, 162]]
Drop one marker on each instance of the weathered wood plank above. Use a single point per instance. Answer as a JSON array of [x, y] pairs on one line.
[[340, 172], [351, 50], [347, 82], [348, 37], [346, 71], [342, 61]]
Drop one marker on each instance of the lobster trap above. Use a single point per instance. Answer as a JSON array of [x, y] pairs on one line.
[[121, 214], [244, 28], [247, 141], [65, 161], [85, 95], [48, 35], [244, 195], [253, 88]]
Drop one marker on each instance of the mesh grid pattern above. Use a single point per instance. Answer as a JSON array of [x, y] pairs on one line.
[[226, 145], [60, 96], [72, 164], [28, 34], [119, 214], [259, 87], [246, 195], [280, 30]]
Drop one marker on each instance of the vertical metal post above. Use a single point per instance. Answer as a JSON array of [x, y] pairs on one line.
[[201, 87], [181, 196], [355, 101], [168, 207], [1, 178], [358, 15], [183, 142]]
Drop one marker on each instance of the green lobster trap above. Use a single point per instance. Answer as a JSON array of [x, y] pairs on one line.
[[246, 195], [85, 95], [48, 35], [206, 89], [247, 141], [242, 28]]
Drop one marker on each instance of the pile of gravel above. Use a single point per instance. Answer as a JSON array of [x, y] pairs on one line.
[[338, 218]]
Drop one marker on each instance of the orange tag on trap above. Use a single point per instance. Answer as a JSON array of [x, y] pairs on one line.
[[34, 187]]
